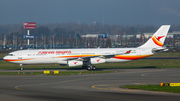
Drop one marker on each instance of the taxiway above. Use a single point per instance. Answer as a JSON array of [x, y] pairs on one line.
[[89, 87]]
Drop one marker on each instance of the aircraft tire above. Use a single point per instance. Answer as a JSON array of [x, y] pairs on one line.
[[94, 68], [88, 68]]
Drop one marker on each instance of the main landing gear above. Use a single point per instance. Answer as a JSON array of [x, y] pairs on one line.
[[91, 68], [87, 65]]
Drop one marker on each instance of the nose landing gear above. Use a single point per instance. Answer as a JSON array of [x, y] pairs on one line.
[[21, 66]]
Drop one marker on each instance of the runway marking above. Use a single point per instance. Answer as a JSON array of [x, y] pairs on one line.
[[97, 87], [18, 88], [130, 90], [121, 89], [161, 92]]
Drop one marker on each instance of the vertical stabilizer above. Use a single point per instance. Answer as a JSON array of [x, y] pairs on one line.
[[157, 40]]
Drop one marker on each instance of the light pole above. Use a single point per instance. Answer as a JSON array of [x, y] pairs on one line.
[[53, 40]]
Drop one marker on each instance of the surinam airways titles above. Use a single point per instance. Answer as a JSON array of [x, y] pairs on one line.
[[54, 52]]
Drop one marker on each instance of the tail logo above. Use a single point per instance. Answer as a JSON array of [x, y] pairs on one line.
[[157, 41], [159, 37]]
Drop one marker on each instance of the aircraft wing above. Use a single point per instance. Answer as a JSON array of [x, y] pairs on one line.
[[109, 55], [80, 58], [89, 57]]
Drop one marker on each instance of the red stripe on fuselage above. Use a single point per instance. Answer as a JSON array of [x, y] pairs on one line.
[[9, 60]]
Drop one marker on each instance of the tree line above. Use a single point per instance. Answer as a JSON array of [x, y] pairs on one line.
[[65, 33]]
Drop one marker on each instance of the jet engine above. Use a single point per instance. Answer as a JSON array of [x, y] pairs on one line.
[[74, 63], [97, 60]]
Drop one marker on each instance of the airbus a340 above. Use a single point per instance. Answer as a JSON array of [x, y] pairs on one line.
[[87, 57]]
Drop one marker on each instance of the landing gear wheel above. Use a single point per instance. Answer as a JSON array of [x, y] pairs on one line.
[[94, 68], [88, 68], [21, 66]]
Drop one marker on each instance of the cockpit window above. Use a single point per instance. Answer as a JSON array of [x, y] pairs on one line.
[[10, 55]]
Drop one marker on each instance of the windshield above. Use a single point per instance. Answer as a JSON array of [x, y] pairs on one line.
[[10, 55]]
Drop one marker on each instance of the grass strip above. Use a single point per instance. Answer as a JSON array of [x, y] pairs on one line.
[[174, 89]]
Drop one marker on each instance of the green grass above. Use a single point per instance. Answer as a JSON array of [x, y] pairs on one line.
[[61, 73], [3, 54], [167, 54], [21, 73], [155, 88]]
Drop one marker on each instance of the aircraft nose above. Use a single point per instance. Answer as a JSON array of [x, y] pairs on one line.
[[4, 58]]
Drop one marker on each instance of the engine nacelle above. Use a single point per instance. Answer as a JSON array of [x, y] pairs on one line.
[[97, 60], [62, 63], [74, 63]]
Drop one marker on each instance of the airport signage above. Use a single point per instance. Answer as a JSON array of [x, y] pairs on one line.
[[29, 25], [56, 72], [46, 72], [164, 84], [174, 84], [102, 35], [29, 36], [170, 84]]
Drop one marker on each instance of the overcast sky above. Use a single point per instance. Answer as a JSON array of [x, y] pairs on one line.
[[127, 12]]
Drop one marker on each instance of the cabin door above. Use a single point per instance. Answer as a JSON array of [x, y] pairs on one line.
[[19, 55]]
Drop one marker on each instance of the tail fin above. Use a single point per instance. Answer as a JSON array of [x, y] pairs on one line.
[[157, 40]]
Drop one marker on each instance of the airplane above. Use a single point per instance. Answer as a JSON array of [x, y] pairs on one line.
[[88, 57]]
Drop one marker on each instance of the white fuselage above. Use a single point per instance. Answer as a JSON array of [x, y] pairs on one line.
[[57, 56]]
